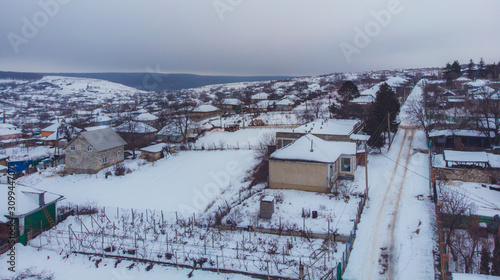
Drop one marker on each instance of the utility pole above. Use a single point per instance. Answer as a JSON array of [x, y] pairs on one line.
[[366, 169], [389, 128]]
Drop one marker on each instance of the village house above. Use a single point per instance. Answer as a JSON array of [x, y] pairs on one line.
[[146, 118], [204, 112], [35, 210], [459, 139], [136, 134], [259, 97], [284, 104], [311, 164], [231, 105], [94, 150], [10, 134], [329, 130]]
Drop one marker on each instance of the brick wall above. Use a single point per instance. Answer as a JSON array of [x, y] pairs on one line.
[[83, 161], [487, 176]]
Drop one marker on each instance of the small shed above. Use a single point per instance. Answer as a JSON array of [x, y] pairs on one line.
[[466, 159], [153, 152], [267, 207]]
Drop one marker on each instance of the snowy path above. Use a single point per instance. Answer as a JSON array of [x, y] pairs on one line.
[[395, 236]]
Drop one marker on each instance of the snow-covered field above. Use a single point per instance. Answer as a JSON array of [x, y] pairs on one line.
[[249, 138], [185, 182]]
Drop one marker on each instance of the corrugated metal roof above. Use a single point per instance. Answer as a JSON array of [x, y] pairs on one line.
[[103, 139]]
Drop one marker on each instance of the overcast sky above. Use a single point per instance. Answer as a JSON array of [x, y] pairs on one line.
[[244, 37]]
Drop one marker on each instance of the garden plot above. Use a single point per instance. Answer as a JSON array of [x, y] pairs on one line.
[[137, 235], [186, 182], [249, 138], [485, 199], [293, 209]]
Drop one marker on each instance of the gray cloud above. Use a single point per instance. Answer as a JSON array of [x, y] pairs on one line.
[[251, 37]]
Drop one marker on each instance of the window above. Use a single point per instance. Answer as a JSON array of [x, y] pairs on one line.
[[118, 153], [345, 164], [72, 148], [89, 148], [104, 159]]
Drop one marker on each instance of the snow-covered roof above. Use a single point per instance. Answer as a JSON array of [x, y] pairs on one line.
[[260, 96], [154, 148], [231, 101], [146, 117], [284, 102], [459, 156], [135, 127], [359, 137], [363, 99], [329, 127], [5, 131], [206, 108], [102, 139], [52, 127], [322, 151], [456, 132], [7, 126], [96, 127], [27, 200]]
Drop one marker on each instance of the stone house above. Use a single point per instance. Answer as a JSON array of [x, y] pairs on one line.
[[94, 150], [312, 164]]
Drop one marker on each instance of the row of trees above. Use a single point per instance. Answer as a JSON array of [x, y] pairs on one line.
[[472, 70]]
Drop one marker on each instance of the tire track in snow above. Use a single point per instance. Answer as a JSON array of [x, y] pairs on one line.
[[396, 210], [375, 249]]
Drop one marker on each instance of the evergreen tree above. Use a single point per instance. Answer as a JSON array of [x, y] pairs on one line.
[[495, 261], [456, 69], [484, 267], [347, 92], [481, 68], [376, 123], [470, 69]]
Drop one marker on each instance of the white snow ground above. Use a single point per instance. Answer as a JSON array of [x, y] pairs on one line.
[[185, 182], [396, 235]]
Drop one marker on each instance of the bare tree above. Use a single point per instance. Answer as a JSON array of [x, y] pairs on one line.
[[456, 208], [487, 110]]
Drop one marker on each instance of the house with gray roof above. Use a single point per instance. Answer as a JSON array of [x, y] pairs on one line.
[[94, 150]]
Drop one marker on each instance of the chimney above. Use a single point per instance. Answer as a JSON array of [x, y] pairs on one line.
[[312, 146], [41, 199]]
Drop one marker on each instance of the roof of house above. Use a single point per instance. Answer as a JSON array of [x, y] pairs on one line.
[[102, 139], [5, 131], [27, 200], [205, 108], [329, 127], [231, 101], [261, 95], [154, 148], [135, 127], [90, 128], [457, 132], [146, 117], [459, 156], [284, 102], [322, 151]]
